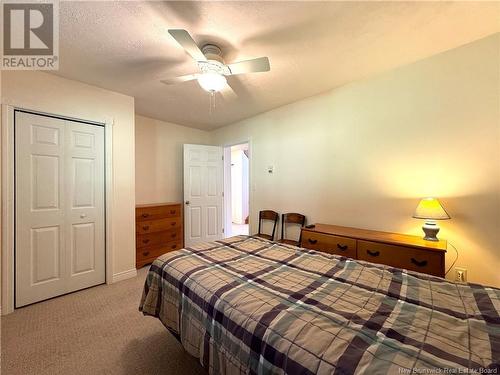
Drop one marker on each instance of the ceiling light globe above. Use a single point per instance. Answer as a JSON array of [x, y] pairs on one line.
[[212, 82]]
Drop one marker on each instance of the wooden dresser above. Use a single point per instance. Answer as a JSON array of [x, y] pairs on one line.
[[159, 229], [397, 250]]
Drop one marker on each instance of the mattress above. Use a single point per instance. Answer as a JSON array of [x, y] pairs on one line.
[[246, 305]]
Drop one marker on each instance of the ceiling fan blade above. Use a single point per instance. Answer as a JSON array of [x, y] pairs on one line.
[[184, 39], [173, 80], [260, 64], [228, 93]]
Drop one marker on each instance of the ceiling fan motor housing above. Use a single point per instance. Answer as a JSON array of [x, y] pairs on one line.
[[212, 52], [214, 63]]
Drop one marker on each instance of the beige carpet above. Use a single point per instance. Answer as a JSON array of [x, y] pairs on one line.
[[94, 331]]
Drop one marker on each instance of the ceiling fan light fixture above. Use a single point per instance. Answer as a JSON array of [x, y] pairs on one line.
[[212, 82]]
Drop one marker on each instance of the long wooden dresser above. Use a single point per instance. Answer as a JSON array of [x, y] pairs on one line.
[[159, 229], [396, 250]]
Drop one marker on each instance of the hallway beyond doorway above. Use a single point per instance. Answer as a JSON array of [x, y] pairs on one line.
[[238, 229], [236, 189]]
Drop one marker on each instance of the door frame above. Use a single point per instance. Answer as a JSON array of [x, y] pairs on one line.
[[8, 198], [226, 208]]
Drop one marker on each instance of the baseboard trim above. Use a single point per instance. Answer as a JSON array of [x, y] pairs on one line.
[[124, 275]]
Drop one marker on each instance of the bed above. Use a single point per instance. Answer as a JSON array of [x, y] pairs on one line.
[[246, 305]]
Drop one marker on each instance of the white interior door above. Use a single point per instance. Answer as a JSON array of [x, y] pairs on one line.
[[59, 199], [203, 181]]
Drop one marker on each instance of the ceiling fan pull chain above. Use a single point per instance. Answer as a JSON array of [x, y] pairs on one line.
[[212, 102]]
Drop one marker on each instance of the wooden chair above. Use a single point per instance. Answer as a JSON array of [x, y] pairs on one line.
[[291, 218], [271, 216]]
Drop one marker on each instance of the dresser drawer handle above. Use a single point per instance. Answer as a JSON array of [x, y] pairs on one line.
[[342, 247], [174, 246], [173, 235], [145, 227], [145, 215], [311, 241], [172, 212], [373, 253], [173, 224], [146, 240], [145, 253], [422, 263]]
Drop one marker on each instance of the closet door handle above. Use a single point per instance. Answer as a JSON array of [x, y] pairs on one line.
[[342, 247], [373, 253], [311, 241], [422, 263]]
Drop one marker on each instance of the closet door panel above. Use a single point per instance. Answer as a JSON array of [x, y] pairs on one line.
[[59, 207]]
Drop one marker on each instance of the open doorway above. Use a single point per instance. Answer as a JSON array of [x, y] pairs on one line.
[[237, 187]]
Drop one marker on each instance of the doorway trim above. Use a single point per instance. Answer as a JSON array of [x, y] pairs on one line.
[[7, 188], [227, 182]]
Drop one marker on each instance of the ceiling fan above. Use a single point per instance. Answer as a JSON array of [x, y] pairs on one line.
[[213, 70]]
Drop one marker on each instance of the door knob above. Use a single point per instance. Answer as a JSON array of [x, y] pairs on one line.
[[83, 216], [187, 202]]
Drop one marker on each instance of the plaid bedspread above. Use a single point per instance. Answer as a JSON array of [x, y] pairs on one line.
[[246, 305]]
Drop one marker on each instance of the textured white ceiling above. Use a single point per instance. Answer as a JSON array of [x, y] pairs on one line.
[[312, 46]]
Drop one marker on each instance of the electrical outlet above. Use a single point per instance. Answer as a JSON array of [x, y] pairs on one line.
[[460, 275]]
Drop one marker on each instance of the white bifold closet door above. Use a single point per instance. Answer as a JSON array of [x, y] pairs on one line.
[[59, 207]]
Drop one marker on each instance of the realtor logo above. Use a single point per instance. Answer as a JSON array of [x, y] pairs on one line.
[[30, 35]]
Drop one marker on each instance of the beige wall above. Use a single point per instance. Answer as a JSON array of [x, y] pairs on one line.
[[158, 158], [362, 155], [52, 94]]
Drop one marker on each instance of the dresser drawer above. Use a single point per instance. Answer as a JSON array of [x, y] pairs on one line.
[[420, 260], [157, 212], [158, 238], [155, 251], [158, 225], [329, 243]]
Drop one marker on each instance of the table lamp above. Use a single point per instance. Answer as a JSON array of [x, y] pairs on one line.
[[431, 210]]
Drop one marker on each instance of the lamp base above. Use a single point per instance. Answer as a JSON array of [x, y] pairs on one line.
[[431, 229]]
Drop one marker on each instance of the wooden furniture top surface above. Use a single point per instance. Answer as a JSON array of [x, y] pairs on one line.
[[145, 205], [377, 236]]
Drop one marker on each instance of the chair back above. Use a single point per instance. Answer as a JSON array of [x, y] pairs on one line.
[[271, 216], [291, 218]]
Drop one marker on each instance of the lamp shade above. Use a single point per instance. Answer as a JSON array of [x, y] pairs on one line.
[[430, 208], [212, 82]]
